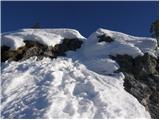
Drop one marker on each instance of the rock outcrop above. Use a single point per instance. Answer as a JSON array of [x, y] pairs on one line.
[[104, 38], [141, 80], [33, 48]]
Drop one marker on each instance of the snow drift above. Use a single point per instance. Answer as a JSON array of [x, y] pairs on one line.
[[49, 37], [122, 44]]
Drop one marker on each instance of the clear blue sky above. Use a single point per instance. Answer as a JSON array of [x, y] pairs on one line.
[[129, 17]]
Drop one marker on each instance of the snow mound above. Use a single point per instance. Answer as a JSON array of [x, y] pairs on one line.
[[84, 85], [102, 65], [122, 44], [62, 88], [49, 37], [12, 41]]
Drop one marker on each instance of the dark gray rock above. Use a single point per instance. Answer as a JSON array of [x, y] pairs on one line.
[[141, 80], [33, 48], [104, 38], [145, 65]]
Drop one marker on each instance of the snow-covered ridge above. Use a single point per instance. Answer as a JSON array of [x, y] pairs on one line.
[[122, 44], [83, 84], [49, 37]]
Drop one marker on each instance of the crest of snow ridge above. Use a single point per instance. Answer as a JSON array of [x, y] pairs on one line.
[[70, 89], [122, 43]]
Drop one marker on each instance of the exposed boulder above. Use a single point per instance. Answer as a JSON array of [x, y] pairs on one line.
[[68, 44], [145, 65], [104, 38], [141, 80], [33, 48]]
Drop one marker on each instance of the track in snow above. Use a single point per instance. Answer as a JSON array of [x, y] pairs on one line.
[[62, 88], [71, 87]]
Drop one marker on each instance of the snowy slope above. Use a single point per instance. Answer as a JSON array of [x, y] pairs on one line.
[[81, 85], [62, 88]]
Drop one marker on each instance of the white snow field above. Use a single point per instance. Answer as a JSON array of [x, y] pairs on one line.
[[62, 88], [81, 85]]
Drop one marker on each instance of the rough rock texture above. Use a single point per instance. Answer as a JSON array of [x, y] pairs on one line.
[[104, 38], [141, 80], [33, 48]]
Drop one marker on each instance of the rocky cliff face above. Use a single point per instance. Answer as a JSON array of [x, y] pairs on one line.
[[141, 80]]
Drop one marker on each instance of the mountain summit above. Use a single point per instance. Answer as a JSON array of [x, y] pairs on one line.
[[58, 73]]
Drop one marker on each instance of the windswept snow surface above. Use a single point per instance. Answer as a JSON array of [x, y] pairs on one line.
[[62, 88], [122, 44], [82, 85], [49, 37]]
